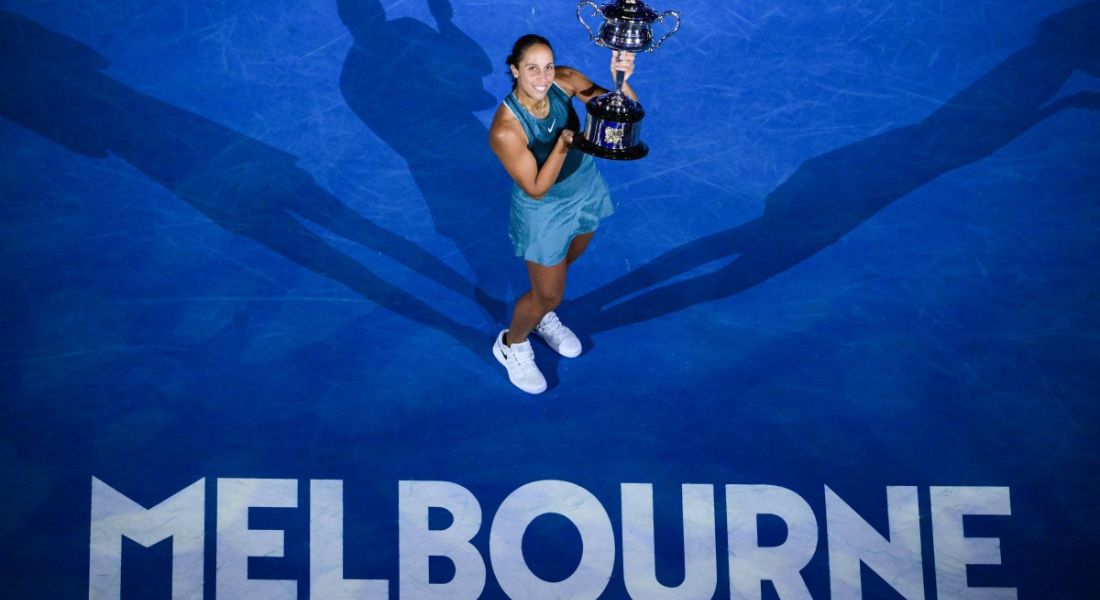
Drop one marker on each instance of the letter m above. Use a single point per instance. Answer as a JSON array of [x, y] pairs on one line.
[[114, 516]]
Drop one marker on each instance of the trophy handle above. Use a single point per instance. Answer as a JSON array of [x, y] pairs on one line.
[[591, 36], [667, 13]]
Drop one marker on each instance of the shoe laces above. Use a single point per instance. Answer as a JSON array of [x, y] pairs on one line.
[[551, 326], [523, 355]]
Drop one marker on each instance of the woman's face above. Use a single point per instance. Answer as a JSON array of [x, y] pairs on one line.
[[535, 72]]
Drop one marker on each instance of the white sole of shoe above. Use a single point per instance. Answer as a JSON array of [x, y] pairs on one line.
[[570, 354], [558, 350]]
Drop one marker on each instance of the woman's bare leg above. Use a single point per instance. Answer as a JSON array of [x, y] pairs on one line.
[[577, 247], [547, 290]]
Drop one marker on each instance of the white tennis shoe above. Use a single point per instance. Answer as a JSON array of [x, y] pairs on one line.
[[519, 360], [558, 336]]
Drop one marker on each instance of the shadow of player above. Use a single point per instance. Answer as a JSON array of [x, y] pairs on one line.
[[54, 86], [417, 89], [830, 195]]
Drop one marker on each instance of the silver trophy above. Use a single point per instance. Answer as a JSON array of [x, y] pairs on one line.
[[613, 127]]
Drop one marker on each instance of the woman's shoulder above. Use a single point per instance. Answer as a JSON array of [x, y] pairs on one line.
[[506, 127], [504, 118]]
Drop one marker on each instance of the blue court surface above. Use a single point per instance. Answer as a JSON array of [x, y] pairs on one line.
[[842, 333]]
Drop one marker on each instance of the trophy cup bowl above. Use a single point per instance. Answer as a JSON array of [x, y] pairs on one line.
[[613, 127]]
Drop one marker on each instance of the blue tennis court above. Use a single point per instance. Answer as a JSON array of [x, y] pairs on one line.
[[841, 335]]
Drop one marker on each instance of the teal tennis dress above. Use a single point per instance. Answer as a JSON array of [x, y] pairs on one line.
[[541, 230]]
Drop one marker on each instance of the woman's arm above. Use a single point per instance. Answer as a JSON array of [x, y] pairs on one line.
[[509, 143], [578, 84]]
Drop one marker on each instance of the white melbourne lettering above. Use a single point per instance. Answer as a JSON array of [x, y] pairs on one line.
[[852, 542]]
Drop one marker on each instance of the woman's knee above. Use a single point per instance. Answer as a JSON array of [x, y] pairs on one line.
[[547, 285], [548, 299]]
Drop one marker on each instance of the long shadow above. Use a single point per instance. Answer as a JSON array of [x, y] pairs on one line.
[[53, 85], [417, 89], [830, 195]]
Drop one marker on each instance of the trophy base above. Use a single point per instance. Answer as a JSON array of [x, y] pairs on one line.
[[640, 150]]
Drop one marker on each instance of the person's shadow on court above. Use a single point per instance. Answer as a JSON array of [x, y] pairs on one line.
[[830, 195], [54, 86], [417, 89]]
